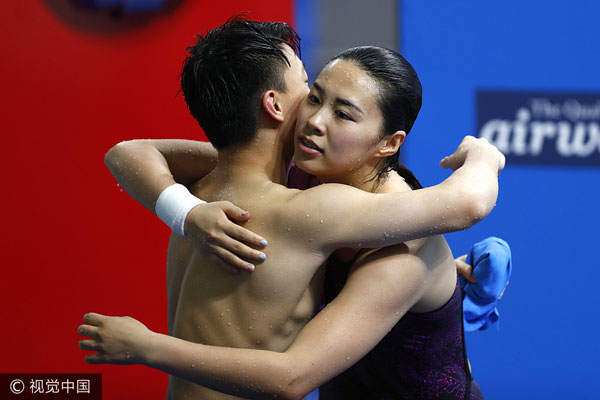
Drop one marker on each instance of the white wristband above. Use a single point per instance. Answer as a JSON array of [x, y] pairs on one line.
[[174, 204]]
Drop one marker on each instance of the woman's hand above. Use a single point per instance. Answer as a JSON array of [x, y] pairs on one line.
[[211, 226], [118, 340], [465, 269], [159, 164]]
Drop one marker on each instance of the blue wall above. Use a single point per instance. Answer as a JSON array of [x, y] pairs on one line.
[[546, 344]]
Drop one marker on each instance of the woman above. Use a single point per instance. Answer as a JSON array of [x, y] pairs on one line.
[[362, 96]]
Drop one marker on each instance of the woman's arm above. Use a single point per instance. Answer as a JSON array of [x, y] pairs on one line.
[[376, 295], [144, 168], [336, 216]]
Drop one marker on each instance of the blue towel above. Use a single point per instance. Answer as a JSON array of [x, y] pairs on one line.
[[491, 261]]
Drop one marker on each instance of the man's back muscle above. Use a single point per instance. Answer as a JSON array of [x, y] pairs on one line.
[[265, 309]]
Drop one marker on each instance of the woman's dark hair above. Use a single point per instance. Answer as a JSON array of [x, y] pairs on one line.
[[399, 100], [229, 69]]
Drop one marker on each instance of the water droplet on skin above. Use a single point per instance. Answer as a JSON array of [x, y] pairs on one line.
[[193, 365], [307, 215], [347, 358], [310, 240], [222, 314], [127, 355], [229, 324], [447, 207], [289, 229], [321, 221], [250, 328]]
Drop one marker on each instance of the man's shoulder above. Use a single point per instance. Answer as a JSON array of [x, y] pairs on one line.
[[196, 187]]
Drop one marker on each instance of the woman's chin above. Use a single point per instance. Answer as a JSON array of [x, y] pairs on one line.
[[308, 165]]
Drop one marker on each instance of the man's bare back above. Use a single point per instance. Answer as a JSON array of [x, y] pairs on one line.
[[264, 309]]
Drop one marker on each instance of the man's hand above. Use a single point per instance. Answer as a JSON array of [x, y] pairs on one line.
[[117, 340], [465, 269], [209, 226], [472, 147]]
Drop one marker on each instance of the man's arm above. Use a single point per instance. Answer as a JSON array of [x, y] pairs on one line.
[[380, 289], [335, 216], [144, 168]]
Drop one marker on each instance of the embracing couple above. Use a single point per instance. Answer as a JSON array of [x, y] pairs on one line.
[[369, 236]]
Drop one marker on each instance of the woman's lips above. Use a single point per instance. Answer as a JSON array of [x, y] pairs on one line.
[[308, 146]]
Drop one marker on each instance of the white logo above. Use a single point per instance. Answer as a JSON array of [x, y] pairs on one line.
[[17, 386], [571, 127]]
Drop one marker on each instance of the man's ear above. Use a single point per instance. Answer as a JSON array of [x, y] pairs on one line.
[[390, 144], [270, 103]]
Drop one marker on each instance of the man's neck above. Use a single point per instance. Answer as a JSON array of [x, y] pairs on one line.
[[262, 157]]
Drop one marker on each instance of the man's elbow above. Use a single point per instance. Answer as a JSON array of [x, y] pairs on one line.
[[477, 211], [475, 208]]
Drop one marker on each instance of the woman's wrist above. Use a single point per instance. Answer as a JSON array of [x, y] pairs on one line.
[[148, 348], [173, 206]]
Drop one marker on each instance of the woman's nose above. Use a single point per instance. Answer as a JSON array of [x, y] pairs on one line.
[[316, 123]]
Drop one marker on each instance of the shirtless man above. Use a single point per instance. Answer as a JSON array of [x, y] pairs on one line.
[[266, 309]]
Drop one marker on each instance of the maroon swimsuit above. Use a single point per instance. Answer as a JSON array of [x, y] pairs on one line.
[[422, 357]]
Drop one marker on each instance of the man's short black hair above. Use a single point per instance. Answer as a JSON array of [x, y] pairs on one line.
[[227, 72]]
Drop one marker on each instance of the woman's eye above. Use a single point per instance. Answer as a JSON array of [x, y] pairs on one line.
[[312, 99], [343, 115]]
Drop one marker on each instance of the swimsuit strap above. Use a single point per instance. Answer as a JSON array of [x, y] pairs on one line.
[[468, 376]]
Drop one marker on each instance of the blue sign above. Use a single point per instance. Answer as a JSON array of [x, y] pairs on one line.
[[542, 128]]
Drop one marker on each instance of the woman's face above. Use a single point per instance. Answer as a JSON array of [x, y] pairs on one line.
[[339, 124]]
